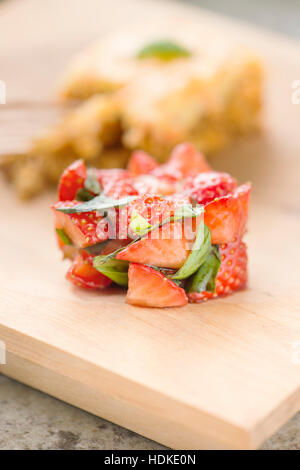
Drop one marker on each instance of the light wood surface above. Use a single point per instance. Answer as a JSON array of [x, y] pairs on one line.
[[216, 375]]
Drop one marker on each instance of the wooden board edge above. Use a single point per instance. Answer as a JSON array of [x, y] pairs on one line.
[[115, 398]]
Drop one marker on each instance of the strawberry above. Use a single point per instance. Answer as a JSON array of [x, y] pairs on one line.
[[84, 229], [152, 185], [141, 163], [232, 274], [116, 183], [148, 287], [83, 274], [227, 216], [167, 246], [205, 187], [167, 173], [71, 180], [186, 159]]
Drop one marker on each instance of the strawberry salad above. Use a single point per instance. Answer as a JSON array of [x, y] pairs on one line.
[[167, 234]]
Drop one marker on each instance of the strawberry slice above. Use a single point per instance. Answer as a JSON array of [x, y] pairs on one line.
[[116, 183], [205, 187], [148, 287], [83, 274], [167, 248], [155, 209], [83, 229], [150, 184], [141, 163], [71, 180], [227, 216], [186, 159], [232, 275]]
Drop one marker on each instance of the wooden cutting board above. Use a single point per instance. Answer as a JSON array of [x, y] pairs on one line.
[[224, 374]]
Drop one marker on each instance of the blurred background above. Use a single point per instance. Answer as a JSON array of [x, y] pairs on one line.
[[278, 15]]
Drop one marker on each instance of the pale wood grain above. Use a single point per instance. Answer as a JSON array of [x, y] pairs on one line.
[[217, 375]]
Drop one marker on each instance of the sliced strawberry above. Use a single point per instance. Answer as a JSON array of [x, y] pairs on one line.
[[227, 216], [141, 163], [116, 183], [148, 287], [207, 186], [168, 173], [83, 274], [165, 247], [71, 180], [155, 209], [188, 160], [232, 274], [83, 229], [150, 184]]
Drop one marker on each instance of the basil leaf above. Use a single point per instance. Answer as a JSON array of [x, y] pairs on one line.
[[205, 278], [97, 248], [98, 203], [116, 270], [164, 50], [199, 253], [91, 183], [84, 195], [63, 236]]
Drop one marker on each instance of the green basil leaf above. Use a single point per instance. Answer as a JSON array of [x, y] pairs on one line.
[[116, 270], [164, 50], [91, 183], [97, 248], [98, 203], [205, 278], [63, 236], [84, 195], [200, 251]]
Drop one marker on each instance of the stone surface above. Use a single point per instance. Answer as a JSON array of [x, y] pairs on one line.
[[33, 420]]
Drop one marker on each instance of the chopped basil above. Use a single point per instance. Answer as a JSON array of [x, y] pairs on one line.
[[84, 195], [98, 203], [91, 183], [97, 248], [116, 270], [205, 278], [200, 251], [163, 50], [63, 236]]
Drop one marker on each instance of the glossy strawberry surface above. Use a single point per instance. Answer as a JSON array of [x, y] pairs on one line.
[[71, 180], [227, 216], [148, 287], [83, 274], [205, 187]]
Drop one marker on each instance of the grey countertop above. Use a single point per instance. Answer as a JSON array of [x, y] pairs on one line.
[[33, 420]]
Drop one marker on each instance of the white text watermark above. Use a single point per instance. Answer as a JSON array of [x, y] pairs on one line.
[[2, 92], [2, 353], [295, 98]]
